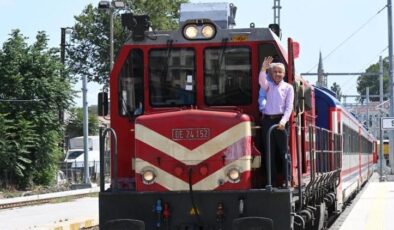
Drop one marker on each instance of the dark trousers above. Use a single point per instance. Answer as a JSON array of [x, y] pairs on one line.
[[278, 146]]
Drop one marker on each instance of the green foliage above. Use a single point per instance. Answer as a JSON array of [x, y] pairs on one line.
[[29, 118], [164, 14], [47, 163], [74, 127], [373, 81], [88, 53], [336, 89]]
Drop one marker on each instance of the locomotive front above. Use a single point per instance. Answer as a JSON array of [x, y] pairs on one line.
[[184, 107], [196, 149]]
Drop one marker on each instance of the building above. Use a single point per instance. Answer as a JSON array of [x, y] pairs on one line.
[[371, 113]]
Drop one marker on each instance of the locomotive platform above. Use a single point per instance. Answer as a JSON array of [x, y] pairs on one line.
[[373, 209]]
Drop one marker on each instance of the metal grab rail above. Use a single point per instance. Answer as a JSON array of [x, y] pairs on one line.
[[328, 148], [269, 184], [114, 163]]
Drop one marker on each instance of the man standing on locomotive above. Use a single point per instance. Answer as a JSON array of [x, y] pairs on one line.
[[278, 108]]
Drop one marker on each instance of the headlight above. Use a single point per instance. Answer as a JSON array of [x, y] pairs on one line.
[[234, 175], [148, 176], [190, 31], [199, 30], [208, 31]]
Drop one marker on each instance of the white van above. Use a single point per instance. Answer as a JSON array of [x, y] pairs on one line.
[[75, 154]]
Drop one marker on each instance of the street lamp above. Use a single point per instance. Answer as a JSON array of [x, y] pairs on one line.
[[111, 7], [64, 31]]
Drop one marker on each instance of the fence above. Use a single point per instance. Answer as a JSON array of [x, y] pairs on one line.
[[73, 171]]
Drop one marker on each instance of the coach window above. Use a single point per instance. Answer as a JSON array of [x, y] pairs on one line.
[[131, 93], [227, 76], [172, 77]]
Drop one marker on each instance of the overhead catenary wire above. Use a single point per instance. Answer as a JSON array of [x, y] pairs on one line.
[[363, 69], [20, 100], [349, 37]]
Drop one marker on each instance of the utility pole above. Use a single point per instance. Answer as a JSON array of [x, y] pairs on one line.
[[62, 45], [85, 129], [276, 9], [367, 104], [62, 60], [63, 31], [391, 80], [85, 121], [381, 133], [111, 39]]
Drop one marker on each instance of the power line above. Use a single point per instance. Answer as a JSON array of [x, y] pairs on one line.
[[20, 100], [349, 37], [374, 58], [366, 66]]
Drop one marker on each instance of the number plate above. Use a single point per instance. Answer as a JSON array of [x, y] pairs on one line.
[[239, 38], [191, 134]]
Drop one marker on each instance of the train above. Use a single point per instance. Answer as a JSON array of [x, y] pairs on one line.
[[186, 136]]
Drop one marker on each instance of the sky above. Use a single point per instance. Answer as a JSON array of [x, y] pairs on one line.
[[351, 33]]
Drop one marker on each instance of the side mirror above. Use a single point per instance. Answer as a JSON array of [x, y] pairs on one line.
[[308, 98], [301, 97], [102, 104]]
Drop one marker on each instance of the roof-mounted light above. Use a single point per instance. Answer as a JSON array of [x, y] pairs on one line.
[[190, 31], [208, 31], [202, 29]]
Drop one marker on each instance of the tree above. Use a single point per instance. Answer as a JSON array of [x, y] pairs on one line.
[[34, 91], [337, 90], [88, 53], [373, 81], [74, 127]]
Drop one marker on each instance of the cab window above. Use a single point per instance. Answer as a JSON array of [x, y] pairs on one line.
[[227, 76], [131, 88], [172, 77]]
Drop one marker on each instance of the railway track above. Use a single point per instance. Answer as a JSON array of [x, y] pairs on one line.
[[46, 198]]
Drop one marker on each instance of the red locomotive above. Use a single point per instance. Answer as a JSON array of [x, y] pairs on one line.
[[188, 151]]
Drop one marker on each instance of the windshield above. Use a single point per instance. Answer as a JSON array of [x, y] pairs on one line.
[[227, 76], [172, 77], [74, 155]]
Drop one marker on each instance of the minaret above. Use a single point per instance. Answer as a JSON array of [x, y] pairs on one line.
[[321, 77]]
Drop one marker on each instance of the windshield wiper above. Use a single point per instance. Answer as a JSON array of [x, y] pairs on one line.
[[221, 57], [169, 49], [125, 107]]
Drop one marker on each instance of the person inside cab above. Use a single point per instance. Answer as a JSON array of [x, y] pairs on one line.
[[277, 110]]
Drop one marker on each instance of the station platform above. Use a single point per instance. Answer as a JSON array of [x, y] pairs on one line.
[[372, 209]]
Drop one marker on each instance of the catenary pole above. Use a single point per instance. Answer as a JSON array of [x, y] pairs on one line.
[[277, 8], [381, 130], [390, 41], [367, 104]]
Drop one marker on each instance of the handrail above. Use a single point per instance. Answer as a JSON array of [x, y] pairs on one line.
[[114, 163], [328, 146], [299, 164]]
